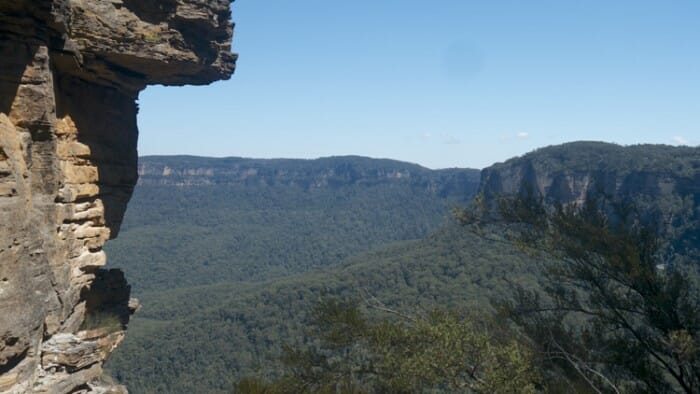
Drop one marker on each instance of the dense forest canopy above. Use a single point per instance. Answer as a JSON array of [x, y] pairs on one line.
[[216, 220], [240, 264]]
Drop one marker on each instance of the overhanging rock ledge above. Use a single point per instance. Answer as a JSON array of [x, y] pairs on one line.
[[70, 74]]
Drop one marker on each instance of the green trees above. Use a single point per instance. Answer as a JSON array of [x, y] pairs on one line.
[[610, 316], [183, 338], [229, 273], [444, 351]]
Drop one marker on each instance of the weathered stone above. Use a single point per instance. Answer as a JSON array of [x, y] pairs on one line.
[[661, 196], [70, 74], [67, 350]]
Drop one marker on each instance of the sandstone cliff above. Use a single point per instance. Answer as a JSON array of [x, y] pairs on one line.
[[663, 183], [70, 74], [458, 184]]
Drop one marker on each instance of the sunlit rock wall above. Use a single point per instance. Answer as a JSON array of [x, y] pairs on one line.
[[658, 184], [70, 74]]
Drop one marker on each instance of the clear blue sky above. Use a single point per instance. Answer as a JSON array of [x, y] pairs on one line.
[[440, 83]]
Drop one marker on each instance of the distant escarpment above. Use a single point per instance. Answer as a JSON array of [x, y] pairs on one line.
[[661, 182], [234, 219], [70, 74], [328, 172]]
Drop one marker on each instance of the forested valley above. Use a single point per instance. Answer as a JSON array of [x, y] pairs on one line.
[[293, 276]]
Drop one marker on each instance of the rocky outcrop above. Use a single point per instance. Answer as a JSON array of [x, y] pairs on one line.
[[571, 172], [70, 74], [662, 182], [457, 184]]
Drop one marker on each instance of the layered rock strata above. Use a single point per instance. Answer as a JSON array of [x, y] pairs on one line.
[[658, 184], [70, 74]]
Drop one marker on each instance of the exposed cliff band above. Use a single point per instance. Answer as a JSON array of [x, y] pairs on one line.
[[660, 184], [70, 74]]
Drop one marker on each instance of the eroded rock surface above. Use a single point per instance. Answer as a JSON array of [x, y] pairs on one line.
[[70, 74], [662, 184]]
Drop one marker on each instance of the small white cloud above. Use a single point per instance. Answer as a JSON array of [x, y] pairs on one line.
[[680, 140], [426, 135], [515, 136]]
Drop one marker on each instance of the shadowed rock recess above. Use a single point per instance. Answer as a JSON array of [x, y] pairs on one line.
[[70, 74]]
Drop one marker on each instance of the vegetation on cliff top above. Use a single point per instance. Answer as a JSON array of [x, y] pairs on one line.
[[288, 218], [203, 338]]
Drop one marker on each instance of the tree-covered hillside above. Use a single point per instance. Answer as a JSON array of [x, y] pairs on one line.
[[229, 257], [201, 340], [196, 221], [662, 183]]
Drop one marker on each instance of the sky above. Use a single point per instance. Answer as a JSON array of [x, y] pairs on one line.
[[440, 83]]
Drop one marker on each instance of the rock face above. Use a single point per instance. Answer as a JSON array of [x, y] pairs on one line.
[[571, 172], [459, 184], [663, 182], [70, 74]]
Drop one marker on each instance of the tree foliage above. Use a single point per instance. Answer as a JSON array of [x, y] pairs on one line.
[[290, 217], [201, 339], [610, 314], [228, 267], [440, 350]]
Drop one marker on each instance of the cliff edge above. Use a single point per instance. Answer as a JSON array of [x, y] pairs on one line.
[[70, 74], [660, 183]]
